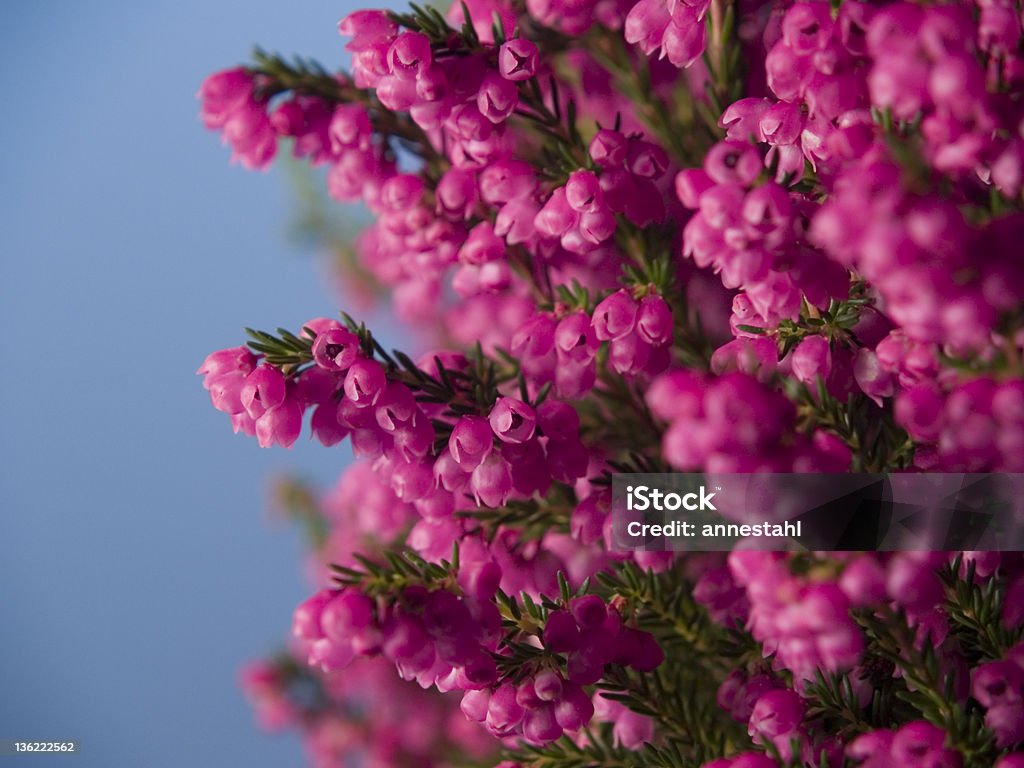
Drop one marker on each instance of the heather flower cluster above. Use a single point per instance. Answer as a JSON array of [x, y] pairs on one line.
[[710, 236]]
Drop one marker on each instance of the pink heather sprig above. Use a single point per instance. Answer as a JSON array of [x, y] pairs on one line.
[[560, 349], [491, 446], [454, 640], [733, 423], [747, 230], [394, 725]]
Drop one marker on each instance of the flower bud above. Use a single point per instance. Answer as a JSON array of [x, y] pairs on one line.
[[654, 320], [497, 98], [456, 194], [409, 55], [306, 619], [482, 245], [512, 420], [517, 59], [470, 442], [264, 389], [615, 316], [491, 482], [556, 217], [575, 709], [548, 685], [540, 726], [812, 359], [583, 191], [561, 634], [365, 382], [335, 349]]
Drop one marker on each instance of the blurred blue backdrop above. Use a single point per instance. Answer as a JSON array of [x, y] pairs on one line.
[[137, 565]]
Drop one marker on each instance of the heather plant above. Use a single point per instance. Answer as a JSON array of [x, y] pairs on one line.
[[725, 236]]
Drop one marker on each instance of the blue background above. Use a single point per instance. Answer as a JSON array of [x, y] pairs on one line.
[[138, 566]]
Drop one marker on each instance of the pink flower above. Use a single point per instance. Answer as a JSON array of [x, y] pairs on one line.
[[812, 359], [364, 382], [280, 425], [776, 718], [733, 162], [654, 320], [756, 356], [512, 420], [679, 34], [223, 94], [409, 56], [264, 389], [367, 29], [335, 349], [224, 375], [497, 98], [491, 481], [470, 442], [230, 105], [517, 59], [615, 316]]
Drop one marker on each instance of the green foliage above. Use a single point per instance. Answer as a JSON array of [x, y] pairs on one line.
[[723, 59], [975, 609], [663, 604], [680, 694], [876, 442], [931, 684], [597, 752], [533, 518], [470, 391], [286, 350], [395, 570]]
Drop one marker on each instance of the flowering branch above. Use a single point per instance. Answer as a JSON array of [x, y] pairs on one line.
[[306, 77]]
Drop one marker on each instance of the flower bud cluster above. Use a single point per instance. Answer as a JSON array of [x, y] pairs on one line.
[[733, 423], [999, 687], [747, 231], [915, 745], [560, 349], [433, 637], [976, 426], [229, 105], [806, 625], [589, 635], [365, 713], [452, 642], [676, 31], [469, 97], [910, 247], [258, 398], [512, 449]]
